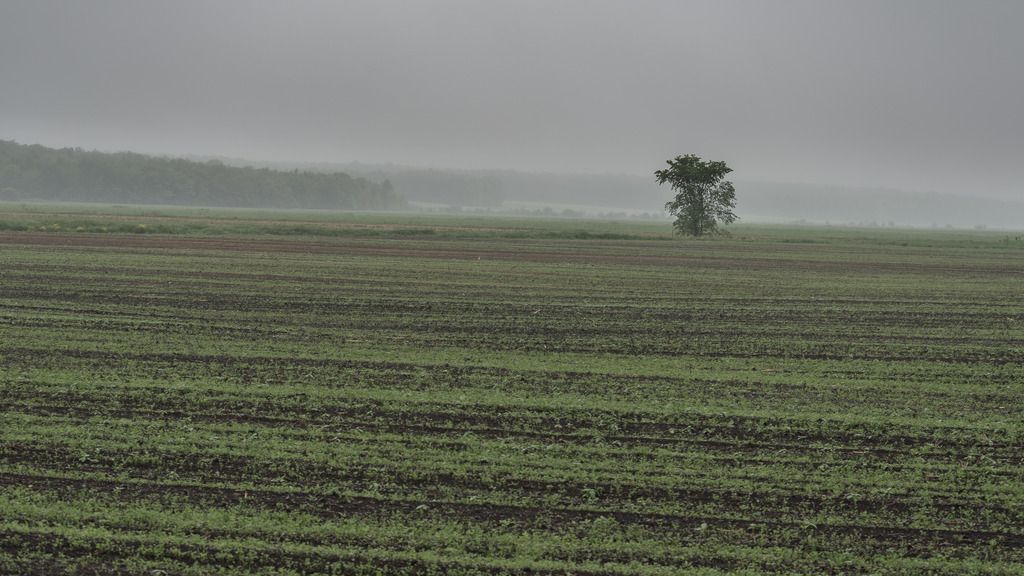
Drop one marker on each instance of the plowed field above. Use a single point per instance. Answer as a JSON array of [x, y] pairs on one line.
[[478, 404]]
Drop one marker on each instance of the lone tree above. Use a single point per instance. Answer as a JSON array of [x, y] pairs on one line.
[[703, 199]]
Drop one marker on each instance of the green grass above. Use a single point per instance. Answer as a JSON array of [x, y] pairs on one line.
[[116, 219], [249, 392]]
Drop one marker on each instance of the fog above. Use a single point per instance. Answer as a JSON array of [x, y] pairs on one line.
[[920, 96]]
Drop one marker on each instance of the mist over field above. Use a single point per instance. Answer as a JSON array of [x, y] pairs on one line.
[[390, 287], [904, 112], [628, 195]]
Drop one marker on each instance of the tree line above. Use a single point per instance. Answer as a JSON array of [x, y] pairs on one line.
[[38, 173]]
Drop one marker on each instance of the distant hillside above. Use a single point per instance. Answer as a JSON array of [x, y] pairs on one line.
[[471, 188], [756, 201], [490, 188], [74, 175]]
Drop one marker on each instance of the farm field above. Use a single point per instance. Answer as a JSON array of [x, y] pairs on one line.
[[198, 392]]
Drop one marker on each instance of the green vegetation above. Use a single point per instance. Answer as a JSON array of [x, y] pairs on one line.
[[248, 392], [74, 175], [703, 197]]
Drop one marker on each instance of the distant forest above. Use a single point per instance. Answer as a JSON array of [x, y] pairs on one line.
[[492, 188], [757, 201], [469, 188], [38, 173]]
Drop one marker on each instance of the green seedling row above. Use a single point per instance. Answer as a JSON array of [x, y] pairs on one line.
[[248, 392]]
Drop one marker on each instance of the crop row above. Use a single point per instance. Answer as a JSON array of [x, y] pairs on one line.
[[464, 405]]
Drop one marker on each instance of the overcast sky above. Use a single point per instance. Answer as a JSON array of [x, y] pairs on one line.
[[920, 95]]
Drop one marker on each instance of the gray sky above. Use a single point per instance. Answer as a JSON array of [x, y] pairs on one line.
[[921, 95]]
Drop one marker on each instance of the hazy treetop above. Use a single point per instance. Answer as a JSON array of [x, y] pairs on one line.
[[918, 94]]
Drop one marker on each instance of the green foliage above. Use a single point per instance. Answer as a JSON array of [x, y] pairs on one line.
[[703, 199], [74, 175]]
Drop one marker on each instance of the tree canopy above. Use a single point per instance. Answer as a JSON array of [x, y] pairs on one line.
[[75, 175], [703, 199]]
